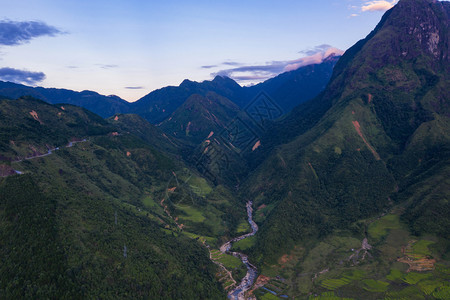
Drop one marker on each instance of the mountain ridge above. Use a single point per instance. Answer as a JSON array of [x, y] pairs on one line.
[[159, 104], [364, 122]]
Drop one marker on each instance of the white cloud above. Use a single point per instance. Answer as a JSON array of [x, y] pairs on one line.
[[378, 5]]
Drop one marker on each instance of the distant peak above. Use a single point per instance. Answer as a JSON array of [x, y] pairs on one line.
[[186, 82], [221, 78], [225, 80]]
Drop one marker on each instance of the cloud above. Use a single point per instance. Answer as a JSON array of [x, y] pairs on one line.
[[353, 15], [105, 66], [231, 63], [315, 50], [17, 33], [225, 63], [258, 73], [209, 67], [21, 76], [316, 58], [134, 87], [253, 73], [378, 5]]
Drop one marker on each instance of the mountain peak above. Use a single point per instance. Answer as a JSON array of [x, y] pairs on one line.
[[186, 82], [221, 78], [420, 25]]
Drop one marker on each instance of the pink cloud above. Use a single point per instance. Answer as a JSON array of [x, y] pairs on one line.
[[252, 74], [312, 59]]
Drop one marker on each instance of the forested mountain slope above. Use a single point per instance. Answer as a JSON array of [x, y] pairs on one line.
[[80, 213], [378, 135]]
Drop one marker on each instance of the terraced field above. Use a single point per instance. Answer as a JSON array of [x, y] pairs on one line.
[[398, 266]]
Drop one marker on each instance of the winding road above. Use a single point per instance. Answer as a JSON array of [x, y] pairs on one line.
[[238, 292]]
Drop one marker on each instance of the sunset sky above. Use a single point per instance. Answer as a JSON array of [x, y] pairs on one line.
[[129, 48]]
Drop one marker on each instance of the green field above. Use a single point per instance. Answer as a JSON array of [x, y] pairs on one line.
[[199, 186], [327, 296], [208, 239], [191, 213], [379, 229], [421, 248], [244, 244], [395, 275], [243, 227], [375, 286], [229, 261], [414, 277], [333, 284]]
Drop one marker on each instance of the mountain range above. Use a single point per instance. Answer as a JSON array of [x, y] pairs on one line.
[[346, 162], [302, 84]]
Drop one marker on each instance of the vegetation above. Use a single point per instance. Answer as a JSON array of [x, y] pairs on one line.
[[350, 190], [102, 232]]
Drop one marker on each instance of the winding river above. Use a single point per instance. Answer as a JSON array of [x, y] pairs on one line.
[[238, 292]]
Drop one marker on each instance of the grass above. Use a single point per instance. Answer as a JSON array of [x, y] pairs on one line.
[[413, 277], [229, 261], [333, 284], [410, 293], [379, 229], [199, 186], [192, 214], [149, 203], [442, 293], [429, 286], [208, 239], [269, 296], [327, 296], [243, 227], [421, 247], [354, 275], [375, 286], [245, 243], [395, 275]]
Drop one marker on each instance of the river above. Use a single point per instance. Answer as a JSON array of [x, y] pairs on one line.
[[238, 292]]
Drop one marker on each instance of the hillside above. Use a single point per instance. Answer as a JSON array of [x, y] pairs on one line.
[[376, 137], [331, 181], [159, 104], [104, 106], [198, 116], [105, 204], [136, 125]]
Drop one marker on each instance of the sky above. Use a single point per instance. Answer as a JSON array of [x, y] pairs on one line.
[[129, 48]]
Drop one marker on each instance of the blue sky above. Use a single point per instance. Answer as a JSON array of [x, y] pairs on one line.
[[129, 47]]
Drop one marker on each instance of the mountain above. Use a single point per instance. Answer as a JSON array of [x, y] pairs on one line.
[[355, 181], [206, 125], [200, 115], [104, 106], [290, 89], [159, 104], [95, 208], [138, 126], [349, 189], [377, 137], [287, 89]]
